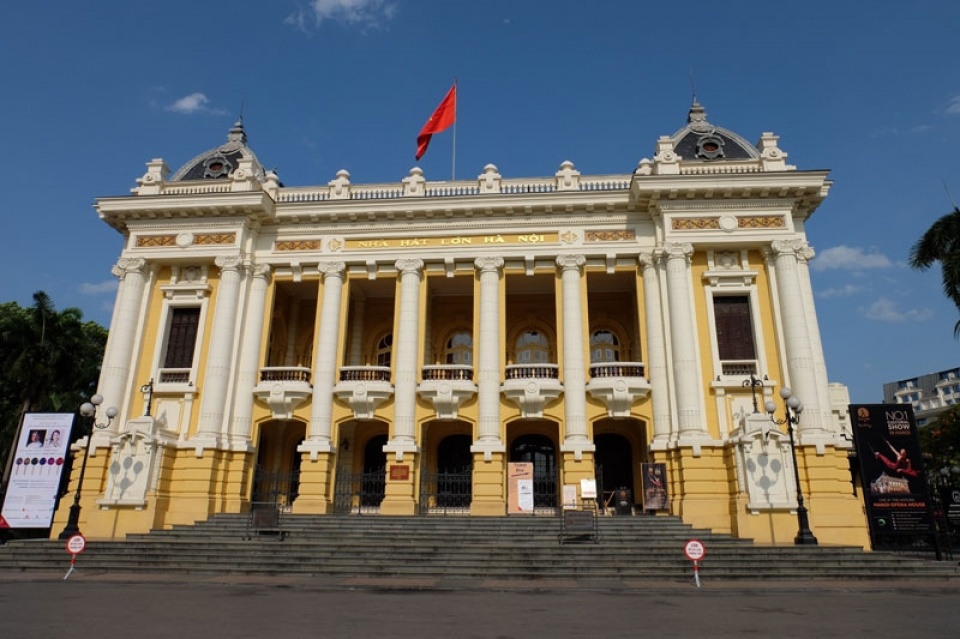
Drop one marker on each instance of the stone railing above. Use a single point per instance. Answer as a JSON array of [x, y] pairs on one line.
[[533, 371], [447, 372], [365, 374]]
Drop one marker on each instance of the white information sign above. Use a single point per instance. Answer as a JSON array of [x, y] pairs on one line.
[[525, 495], [569, 496], [35, 475], [588, 488]]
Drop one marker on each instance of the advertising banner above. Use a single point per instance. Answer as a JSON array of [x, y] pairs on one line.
[[891, 469], [37, 465], [520, 496], [654, 486]]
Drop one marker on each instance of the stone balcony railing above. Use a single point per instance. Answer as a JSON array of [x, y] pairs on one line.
[[283, 388], [447, 387], [618, 385], [364, 388], [532, 387]]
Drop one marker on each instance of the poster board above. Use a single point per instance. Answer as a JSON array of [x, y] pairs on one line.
[[520, 488], [891, 469], [38, 460], [654, 486]]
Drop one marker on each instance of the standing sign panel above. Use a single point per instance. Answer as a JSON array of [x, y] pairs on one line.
[[891, 469], [654, 486], [35, 475], [520, 497]]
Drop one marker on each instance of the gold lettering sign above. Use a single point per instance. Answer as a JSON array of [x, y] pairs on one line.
[[451, 241]]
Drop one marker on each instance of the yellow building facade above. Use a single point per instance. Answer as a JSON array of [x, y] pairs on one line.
[[391, 348]]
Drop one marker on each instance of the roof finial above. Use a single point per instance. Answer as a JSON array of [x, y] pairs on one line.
[[693, 85]]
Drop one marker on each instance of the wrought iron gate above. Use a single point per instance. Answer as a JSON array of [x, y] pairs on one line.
[[274, 489], [358, 493], [545, 496], [446, 492]]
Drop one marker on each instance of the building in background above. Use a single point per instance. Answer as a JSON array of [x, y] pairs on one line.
[[392, 348], [928, 394]]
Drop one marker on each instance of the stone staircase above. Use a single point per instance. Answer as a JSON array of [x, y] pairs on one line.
[[641, 547]]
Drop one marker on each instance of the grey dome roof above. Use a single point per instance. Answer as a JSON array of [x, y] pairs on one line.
[[700, 140], [219, 162]]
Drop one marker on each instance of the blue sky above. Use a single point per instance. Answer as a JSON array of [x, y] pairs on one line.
[[92, 91]]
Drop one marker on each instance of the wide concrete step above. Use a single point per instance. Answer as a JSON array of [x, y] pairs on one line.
[[629, 547]]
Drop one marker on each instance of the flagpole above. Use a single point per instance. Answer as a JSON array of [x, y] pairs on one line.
[[454, 169]]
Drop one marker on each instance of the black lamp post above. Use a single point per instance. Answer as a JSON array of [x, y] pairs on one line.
[[793, 407], [753, 383], [87, 409]]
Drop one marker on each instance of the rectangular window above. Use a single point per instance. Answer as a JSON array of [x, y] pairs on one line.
[[734, 327], [182, 337]]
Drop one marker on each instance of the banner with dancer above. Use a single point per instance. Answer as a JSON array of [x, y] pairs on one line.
[[891, 469]]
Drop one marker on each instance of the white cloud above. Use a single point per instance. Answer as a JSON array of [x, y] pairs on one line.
[[844, 291], [849, 258], [362, 13], [108, 286], [194, 103], [953, 106], [886, 310]]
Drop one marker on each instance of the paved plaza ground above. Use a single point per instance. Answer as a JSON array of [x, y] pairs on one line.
[[185, 606]]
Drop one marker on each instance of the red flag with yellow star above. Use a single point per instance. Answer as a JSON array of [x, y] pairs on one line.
[[443, 117]]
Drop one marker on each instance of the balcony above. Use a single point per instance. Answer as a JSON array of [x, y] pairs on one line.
[[618, 385], [447, 387], [283, 388], [364, 388], [532, 387]]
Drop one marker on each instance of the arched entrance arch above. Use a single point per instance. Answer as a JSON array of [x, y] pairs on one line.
[[276, 479], [447, 487], [614, 461], [541, 452]]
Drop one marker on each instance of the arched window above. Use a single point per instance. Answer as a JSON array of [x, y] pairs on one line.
[[384, 349], [604, 347], [533, 347], [459, 349]]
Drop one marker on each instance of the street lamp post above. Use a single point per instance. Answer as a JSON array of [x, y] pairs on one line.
[[793, 407], [754, 383], [87, 409]]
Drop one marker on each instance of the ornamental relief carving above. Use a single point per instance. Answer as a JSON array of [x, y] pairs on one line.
[[215, 238], [695, 223], [153, 241], [761, 222], [611, 236], [297, 245]]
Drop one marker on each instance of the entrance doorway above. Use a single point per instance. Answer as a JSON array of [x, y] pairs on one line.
[[448, 487], [540, 451], [614, 460], [276, 478]]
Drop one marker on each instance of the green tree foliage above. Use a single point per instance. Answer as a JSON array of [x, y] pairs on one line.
[[49, 361], [940, 440], [941, 243]]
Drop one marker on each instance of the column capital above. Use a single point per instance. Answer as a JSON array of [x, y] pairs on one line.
[[678, 250], [647, 258], [331, 269], [127, 265], [784, 247], [229, 262], [409, 265], [571, 262], [488, 264], [262, 271]]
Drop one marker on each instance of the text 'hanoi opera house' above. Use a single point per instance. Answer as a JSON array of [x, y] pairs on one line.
[[391, 348]]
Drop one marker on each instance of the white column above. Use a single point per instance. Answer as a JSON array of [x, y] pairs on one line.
[[656, 356], [406, 350], [319, 432], [216, 376], [489, 346], [683, 340], [796, 334], [574, 382], [118, 359], [248, 369], [816, 345]]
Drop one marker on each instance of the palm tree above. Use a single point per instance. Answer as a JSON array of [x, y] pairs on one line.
[[941, 243]]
